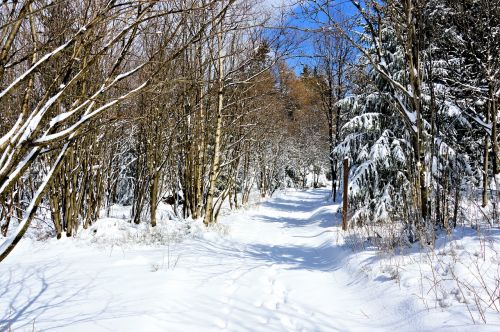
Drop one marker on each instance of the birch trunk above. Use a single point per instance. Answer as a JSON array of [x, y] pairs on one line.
[[214, 167]]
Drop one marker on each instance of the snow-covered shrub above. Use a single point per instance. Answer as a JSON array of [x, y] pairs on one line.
[[108, 232]]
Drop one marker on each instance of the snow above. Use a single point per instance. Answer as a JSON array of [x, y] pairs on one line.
[[453, 110], [60, 118], [71, 130], [23, 225], [10, 133], [20, 167], [281, 265], [46, 57]]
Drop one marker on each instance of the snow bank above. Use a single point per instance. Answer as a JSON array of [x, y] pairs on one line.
[[118, 230], [111, 231], [461, 273]]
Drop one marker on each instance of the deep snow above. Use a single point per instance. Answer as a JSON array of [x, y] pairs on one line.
[[282, 266]]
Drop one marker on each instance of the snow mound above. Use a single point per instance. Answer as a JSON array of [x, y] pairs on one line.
[[108, 232], [112, 231], [461, 271]]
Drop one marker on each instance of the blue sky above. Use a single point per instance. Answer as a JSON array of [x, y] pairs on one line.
[[301, 21]]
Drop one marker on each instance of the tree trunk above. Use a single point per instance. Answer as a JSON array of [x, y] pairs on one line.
[[345, 195], [494, 140], [153, 192], [214, 167], [486, 165]]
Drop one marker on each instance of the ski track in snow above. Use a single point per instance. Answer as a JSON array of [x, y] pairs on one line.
[[279, 269]]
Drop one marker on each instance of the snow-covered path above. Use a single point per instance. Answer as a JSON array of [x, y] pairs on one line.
[[279, 269]]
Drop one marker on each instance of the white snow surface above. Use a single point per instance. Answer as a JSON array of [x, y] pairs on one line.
[[277, 266]]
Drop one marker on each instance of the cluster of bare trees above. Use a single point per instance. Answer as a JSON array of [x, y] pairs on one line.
[[190, 102], [139, 102]]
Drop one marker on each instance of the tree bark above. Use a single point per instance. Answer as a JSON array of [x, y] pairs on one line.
[[345, 195], [214, 167]]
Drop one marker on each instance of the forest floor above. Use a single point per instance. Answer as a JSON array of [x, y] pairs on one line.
[[280, 265]]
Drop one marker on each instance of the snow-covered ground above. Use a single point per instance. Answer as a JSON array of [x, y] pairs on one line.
[[278, 266]]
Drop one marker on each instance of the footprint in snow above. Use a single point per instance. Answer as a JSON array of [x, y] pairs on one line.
[[220, 323]]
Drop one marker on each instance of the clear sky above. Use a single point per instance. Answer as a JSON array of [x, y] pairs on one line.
[[300, 20]]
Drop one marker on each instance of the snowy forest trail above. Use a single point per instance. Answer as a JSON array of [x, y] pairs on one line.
[[279, 269]]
